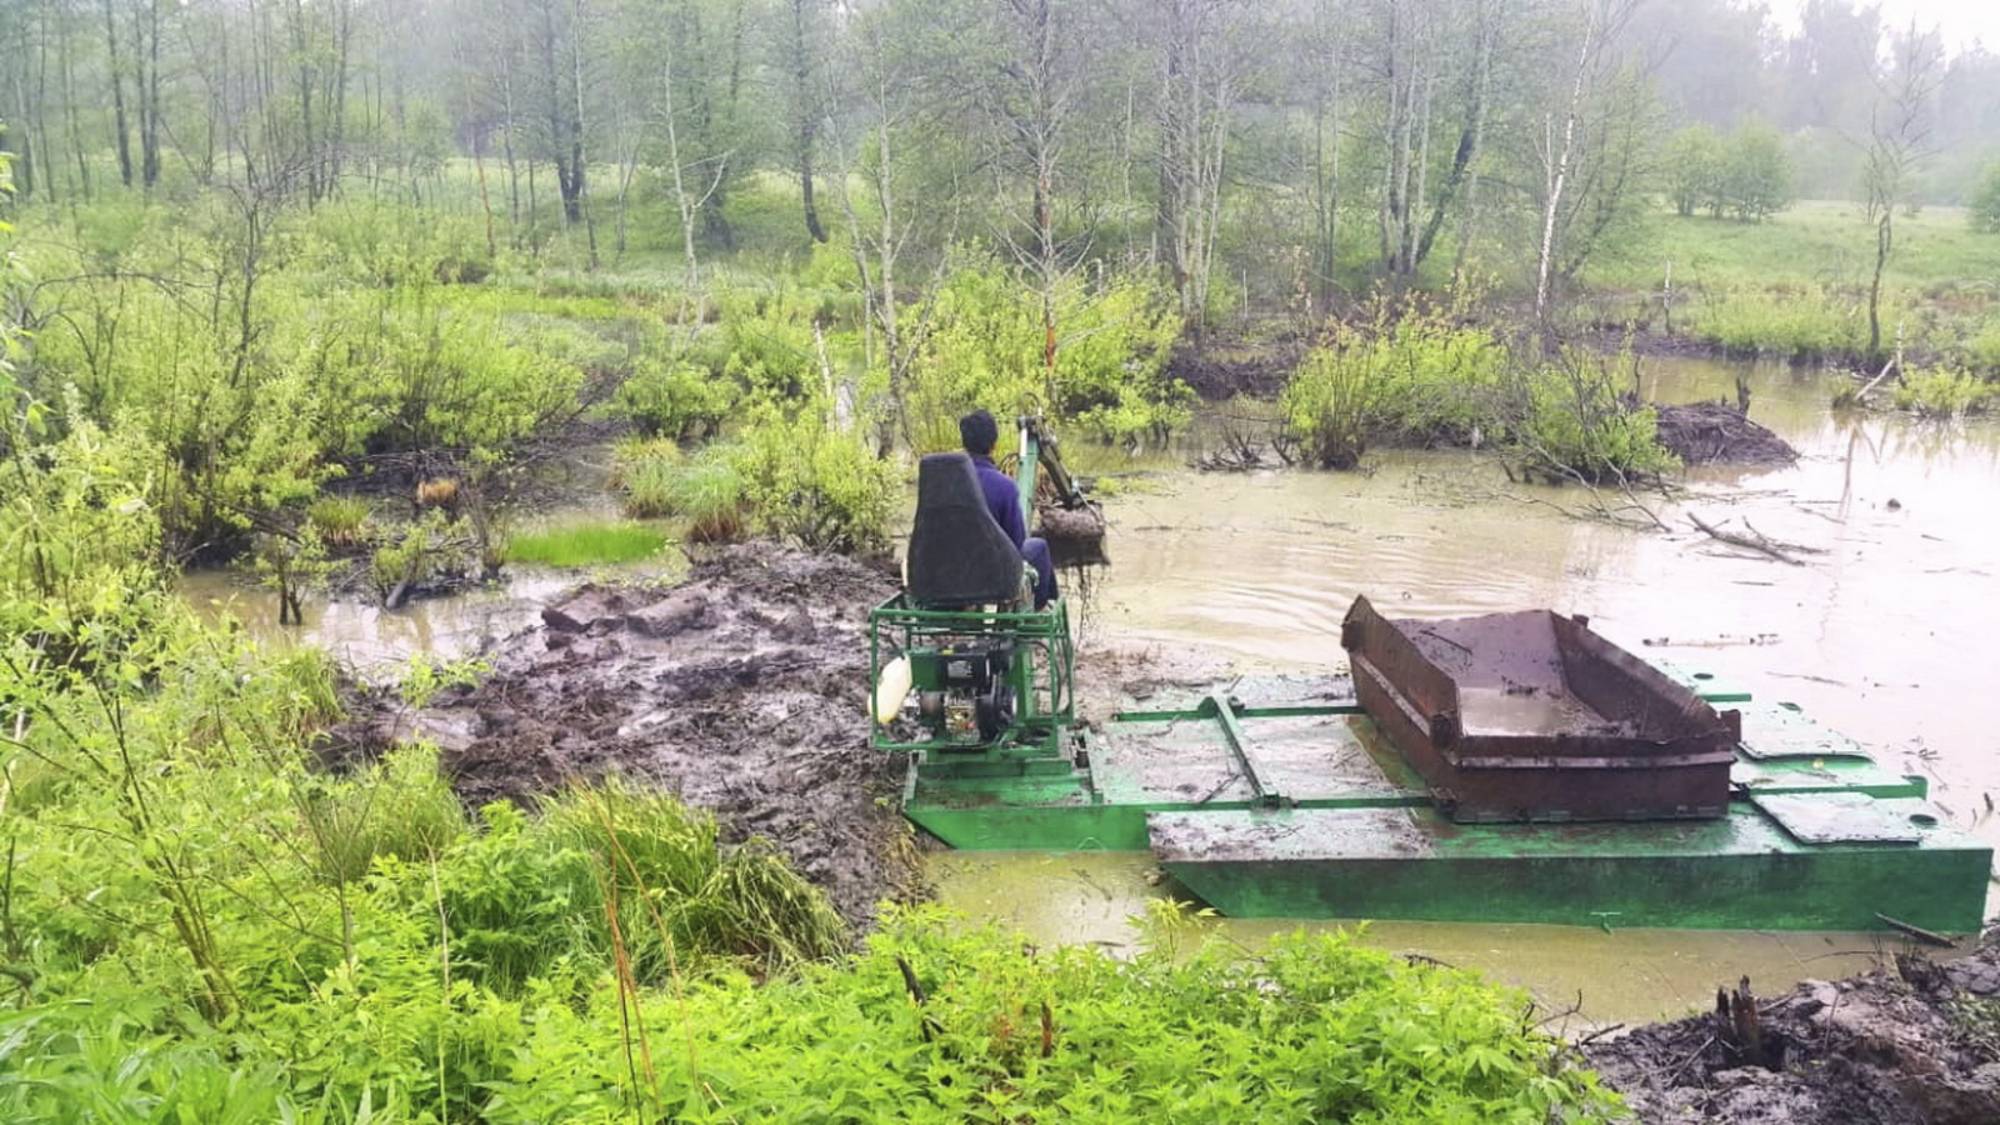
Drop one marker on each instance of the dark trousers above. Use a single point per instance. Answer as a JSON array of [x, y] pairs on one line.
[[1036, 553]]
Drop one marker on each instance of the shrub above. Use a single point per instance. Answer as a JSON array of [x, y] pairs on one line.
[[706, 491], [1941, 392], [987, 347], [676, 399], [1569, 422], [642, 469], [1329, 406], [340, 520], [1694, 168], [1417, 378], [1756, 175], [808, 480]]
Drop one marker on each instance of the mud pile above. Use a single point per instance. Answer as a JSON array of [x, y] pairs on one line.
[[1895, 1045], [743, 689], [1705, 433]]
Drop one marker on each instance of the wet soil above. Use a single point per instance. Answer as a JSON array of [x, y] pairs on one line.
[[1716, 433], [1901, 1044], [743, 689], [1222, 367]]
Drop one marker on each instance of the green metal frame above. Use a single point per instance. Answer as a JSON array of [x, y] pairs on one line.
[[1043, 673]]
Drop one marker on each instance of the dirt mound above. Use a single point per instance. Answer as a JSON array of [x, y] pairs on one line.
[[1220, 369], [1891, 1046], [1705, 433], [743, 689]]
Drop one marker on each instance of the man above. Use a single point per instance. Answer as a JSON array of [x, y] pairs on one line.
[[979, 432]]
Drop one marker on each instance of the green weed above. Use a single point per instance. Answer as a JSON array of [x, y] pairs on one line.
[[1941, 392], [340, 520], [599, 543]]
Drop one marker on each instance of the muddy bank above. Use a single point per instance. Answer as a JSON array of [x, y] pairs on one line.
[[1222, 368], [743, 689], [1709, 433], [1911, 1043]]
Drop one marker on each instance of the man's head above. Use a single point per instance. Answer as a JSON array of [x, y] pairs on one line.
[[979, 432]]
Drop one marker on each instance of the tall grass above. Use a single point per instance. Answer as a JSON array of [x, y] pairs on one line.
[[599, 543], [1944, 393], [706, 492]]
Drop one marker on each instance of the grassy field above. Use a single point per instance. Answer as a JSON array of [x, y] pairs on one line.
[[1819, 242]]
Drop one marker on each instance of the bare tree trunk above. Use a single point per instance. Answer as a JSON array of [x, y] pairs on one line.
[[1556, 168], [806, 106], [71, 124], [149, 122], [578, 157], [121, 131]]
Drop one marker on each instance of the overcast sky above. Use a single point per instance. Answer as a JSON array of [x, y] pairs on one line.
[[1962, 21]]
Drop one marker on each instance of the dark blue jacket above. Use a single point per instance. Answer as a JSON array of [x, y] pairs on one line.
[[1003, 499]]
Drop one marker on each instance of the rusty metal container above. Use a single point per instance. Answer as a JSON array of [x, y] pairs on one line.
[[1532, 717]]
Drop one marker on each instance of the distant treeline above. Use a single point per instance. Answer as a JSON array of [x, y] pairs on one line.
[[1288, 146]]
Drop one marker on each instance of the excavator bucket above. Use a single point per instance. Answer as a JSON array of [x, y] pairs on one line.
[[1073, 525], [1075, 535]]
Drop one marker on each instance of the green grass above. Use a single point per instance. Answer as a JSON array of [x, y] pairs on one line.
[[587, 544], [1815, 242]]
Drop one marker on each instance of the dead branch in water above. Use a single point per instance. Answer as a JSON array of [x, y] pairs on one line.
[[1760, 544]]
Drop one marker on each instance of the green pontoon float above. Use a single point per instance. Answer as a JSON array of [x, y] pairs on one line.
[[1506, 768]]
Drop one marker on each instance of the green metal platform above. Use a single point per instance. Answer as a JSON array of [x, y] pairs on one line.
[[1277, 797]]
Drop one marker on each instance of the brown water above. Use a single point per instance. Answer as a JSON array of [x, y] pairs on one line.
[[1892, 636]]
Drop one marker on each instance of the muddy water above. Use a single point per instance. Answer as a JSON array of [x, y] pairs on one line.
[[1893, 636]]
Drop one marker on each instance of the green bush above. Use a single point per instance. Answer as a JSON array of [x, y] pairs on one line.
[[1330, 407], [1570, 422], [340, 520], [1799, 323], [809, 481], [1318, 1028], [987, 347], [706, 491], [678, 400], [1942, 392], [1417, 378]]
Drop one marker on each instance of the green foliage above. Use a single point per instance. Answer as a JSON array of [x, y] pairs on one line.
[[1985, 208], [1756, 175], [1330, 406], [809, 480], [706, 491], [1694, 161], [1317, 1029], [340, 520], [587, 544], [1421, 377], [987, 347], [1570, 421], [676, 399], [1805, 323], [1942, 392]]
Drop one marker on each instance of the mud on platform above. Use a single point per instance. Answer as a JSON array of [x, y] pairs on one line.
[[1915, 1043], [743, 689]]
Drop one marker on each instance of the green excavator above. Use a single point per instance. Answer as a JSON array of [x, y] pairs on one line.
[[991, 674]]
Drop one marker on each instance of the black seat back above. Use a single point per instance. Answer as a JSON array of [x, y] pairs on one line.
[[959, 556]]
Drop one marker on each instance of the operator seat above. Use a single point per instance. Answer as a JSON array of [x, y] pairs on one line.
[[959, 556]]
